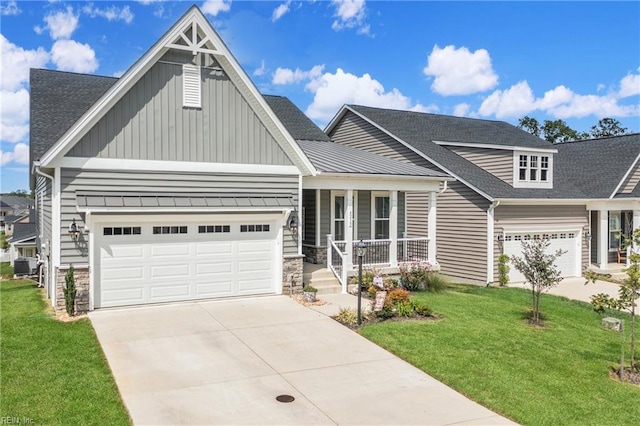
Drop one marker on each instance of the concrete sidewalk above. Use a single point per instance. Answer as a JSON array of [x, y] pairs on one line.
[[224, 362]]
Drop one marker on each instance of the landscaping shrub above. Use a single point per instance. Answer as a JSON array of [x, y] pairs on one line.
[[398, 295], [70, 292], [405, 309], [387, 310], [413, 275], [436, 282], [367, 277], [347, 316], [503, 269], [421, 307]]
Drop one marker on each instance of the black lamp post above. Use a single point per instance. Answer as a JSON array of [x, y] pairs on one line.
[[362, 250]]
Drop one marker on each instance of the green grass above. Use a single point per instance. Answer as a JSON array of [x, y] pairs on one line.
[[557, 375], [52, 372], [6, 269]]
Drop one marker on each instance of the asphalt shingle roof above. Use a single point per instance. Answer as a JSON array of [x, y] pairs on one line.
[[23, 231], [58, 100], [330, 157], [16, 202], [576, 171]]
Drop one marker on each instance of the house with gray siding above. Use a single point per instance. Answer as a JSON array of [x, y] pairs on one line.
[[509, 186], [181, 181]]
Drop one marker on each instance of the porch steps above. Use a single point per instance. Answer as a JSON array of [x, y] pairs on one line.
[[322, 279]]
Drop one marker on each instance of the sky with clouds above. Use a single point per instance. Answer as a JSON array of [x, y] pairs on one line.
[[575, 61]]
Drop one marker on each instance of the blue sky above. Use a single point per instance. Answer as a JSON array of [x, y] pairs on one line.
[[577, 61]]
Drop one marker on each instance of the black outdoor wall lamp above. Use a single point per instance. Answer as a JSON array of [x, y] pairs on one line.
[[74, 232], [292, 223]]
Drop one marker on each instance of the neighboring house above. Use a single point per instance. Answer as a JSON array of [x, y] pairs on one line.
[[180, 181], [13, 207], [11, 220], [23, 241], [510, 186]]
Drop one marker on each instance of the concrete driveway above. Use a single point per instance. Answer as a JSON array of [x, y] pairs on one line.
[[225, 362]]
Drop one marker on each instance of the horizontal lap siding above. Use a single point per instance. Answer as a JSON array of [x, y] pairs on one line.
[[462, 232], [358, 133], [498, 162], [417, 213], [631, 182], [364, 215], [76, 180], [571, 217], [150, 123], [309, 205], [44, 215]]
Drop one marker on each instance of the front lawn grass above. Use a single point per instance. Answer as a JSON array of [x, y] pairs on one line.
[[484, 348], [6, 269], [52, 372]]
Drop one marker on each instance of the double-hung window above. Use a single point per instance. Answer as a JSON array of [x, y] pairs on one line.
[[382, 210], [532, 171]]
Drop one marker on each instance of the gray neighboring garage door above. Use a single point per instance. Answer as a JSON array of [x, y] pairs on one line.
[[569, 263], [151, 259]]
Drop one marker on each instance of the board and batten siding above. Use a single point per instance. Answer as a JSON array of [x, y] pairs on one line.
[[325, 216], [354, 131], [73, 180], [631, 182], [570, 217], [498, 162], [364, 215], [150, 123], [462, 233]]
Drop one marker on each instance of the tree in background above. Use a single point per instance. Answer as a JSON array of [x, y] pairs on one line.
[[539, 270], [20, 193], [557, 131]]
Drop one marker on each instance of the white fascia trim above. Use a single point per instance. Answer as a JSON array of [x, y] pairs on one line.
[[606, 205], [174, 166], [525, 229], [544, 201], [624, 178], [183, 210], [502, 147], [422, 154], [336, 119], [369, 183]]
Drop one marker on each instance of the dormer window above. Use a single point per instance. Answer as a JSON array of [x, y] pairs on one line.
[[532, 170]]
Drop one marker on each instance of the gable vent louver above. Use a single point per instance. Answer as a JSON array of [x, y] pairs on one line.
[[191, 91]]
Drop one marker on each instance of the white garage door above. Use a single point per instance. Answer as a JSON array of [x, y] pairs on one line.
[[163, 261], [568, 263]]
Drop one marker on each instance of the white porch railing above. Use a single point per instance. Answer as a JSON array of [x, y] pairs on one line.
[[379, 253]]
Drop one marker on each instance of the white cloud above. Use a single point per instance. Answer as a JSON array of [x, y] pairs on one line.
[[112, 13], [288, 76], [461, 110], [20, 155], [459, 71], [61, 24], [69, 55], [350, 14], [16, 62], [262, 70], [513, 102], [560, 102], [280, 11], [14, 115], [331, 91], [629, 85], [213, 7], [11, 8]]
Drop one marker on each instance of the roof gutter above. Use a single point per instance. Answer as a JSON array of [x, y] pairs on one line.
[[36, 169], [444, 187]]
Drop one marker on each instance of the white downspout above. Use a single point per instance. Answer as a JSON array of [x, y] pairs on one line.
[[50, 269], [490, 242]]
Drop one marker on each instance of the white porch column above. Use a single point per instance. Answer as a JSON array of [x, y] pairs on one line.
[[431, 227], [393, 229], [603, 238], [348, 234]]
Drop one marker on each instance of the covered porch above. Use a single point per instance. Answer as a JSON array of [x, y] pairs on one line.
[[338, 213], [611, 224]]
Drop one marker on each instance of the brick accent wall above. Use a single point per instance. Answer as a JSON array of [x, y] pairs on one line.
[[82, 289], [292, 274]]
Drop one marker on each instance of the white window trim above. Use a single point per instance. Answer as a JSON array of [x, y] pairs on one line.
[[191, 86], [374, 195], [334, 194], [517, 183]]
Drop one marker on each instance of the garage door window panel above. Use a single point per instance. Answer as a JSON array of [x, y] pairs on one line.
[[172, 229]]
